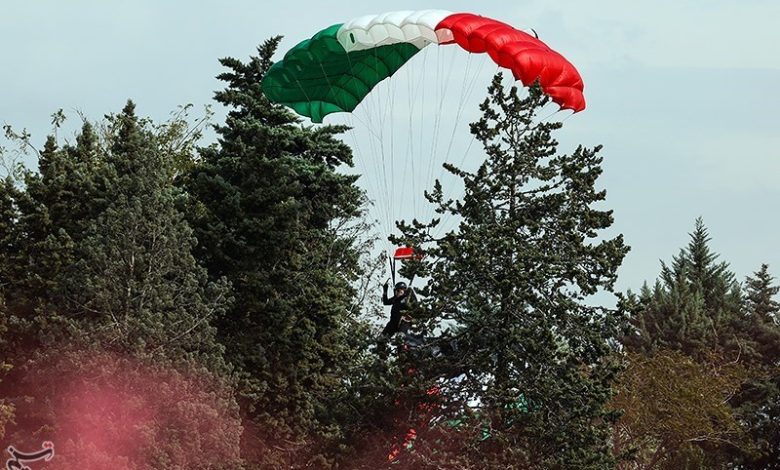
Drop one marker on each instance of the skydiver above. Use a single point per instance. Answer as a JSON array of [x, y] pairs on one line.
[[400, 301]]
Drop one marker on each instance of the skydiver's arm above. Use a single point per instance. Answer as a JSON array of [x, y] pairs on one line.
[[385, 300]]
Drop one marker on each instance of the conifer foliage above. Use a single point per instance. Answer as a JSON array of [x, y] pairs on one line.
[[697, 308], [107, 314], [101, 247], [694, 306], [759, 403], [273, 216], [511, 285]]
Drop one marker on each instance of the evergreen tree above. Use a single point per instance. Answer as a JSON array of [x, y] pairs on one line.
[[8, 217], [103, 254], [759, 402], [6, 408], [111, 313], [697, 308], [135, 272], [57, 202], [512, 284], [271, 216], [760, 293], [694, 307]]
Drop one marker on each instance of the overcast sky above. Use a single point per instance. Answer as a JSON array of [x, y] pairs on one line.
[[682, 94]]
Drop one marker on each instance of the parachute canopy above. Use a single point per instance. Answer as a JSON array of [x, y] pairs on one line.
[[335, 69]]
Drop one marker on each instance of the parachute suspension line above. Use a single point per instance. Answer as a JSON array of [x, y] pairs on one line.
[[368, 176], [446, 217], [416, 90], [367, 122], [544, 119], [388, 112], [394, 203], [469, 92], [303, 90], [371, 177], [417, 132], [466, 90], [441, 95], [350, 115], [442, 228], [440, 231], [379, 121], [409, 154], [423, 95], [439, 98], [354, 137], [374, 113], [470, 80]]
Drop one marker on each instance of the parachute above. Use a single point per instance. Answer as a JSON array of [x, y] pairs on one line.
[[339, 70], [340, 65]]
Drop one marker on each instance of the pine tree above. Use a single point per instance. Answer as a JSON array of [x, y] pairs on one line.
[[512, 284], [694, 307], [8, 216], [6, 408], [270, 216], [135, 273], [759, 402], [57, 201], [697, 308], [760, 295], [102, 247], [111, 310]]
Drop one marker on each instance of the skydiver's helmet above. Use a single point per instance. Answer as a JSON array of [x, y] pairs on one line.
[[400, 285]]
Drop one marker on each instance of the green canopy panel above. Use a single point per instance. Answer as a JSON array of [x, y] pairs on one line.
[[319, 77]]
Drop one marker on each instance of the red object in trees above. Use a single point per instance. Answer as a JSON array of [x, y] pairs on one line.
[[424, 410], [406, 252]]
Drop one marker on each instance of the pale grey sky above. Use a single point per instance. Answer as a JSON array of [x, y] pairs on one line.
[[683, 94]]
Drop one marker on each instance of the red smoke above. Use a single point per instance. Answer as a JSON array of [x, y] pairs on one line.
[[105, 411]]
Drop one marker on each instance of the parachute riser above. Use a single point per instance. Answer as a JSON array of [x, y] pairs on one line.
[[391, 260]]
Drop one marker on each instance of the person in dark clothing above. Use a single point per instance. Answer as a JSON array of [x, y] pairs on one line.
[[400, 301]]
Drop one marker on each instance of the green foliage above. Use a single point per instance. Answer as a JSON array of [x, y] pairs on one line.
[[759, 401], [694, 307], [275, 218], [512, 286], [107, 316], [144, 287], [760, 293], [698, 309], [101, 253], [135, 270], [8, 216], [6, 408]]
